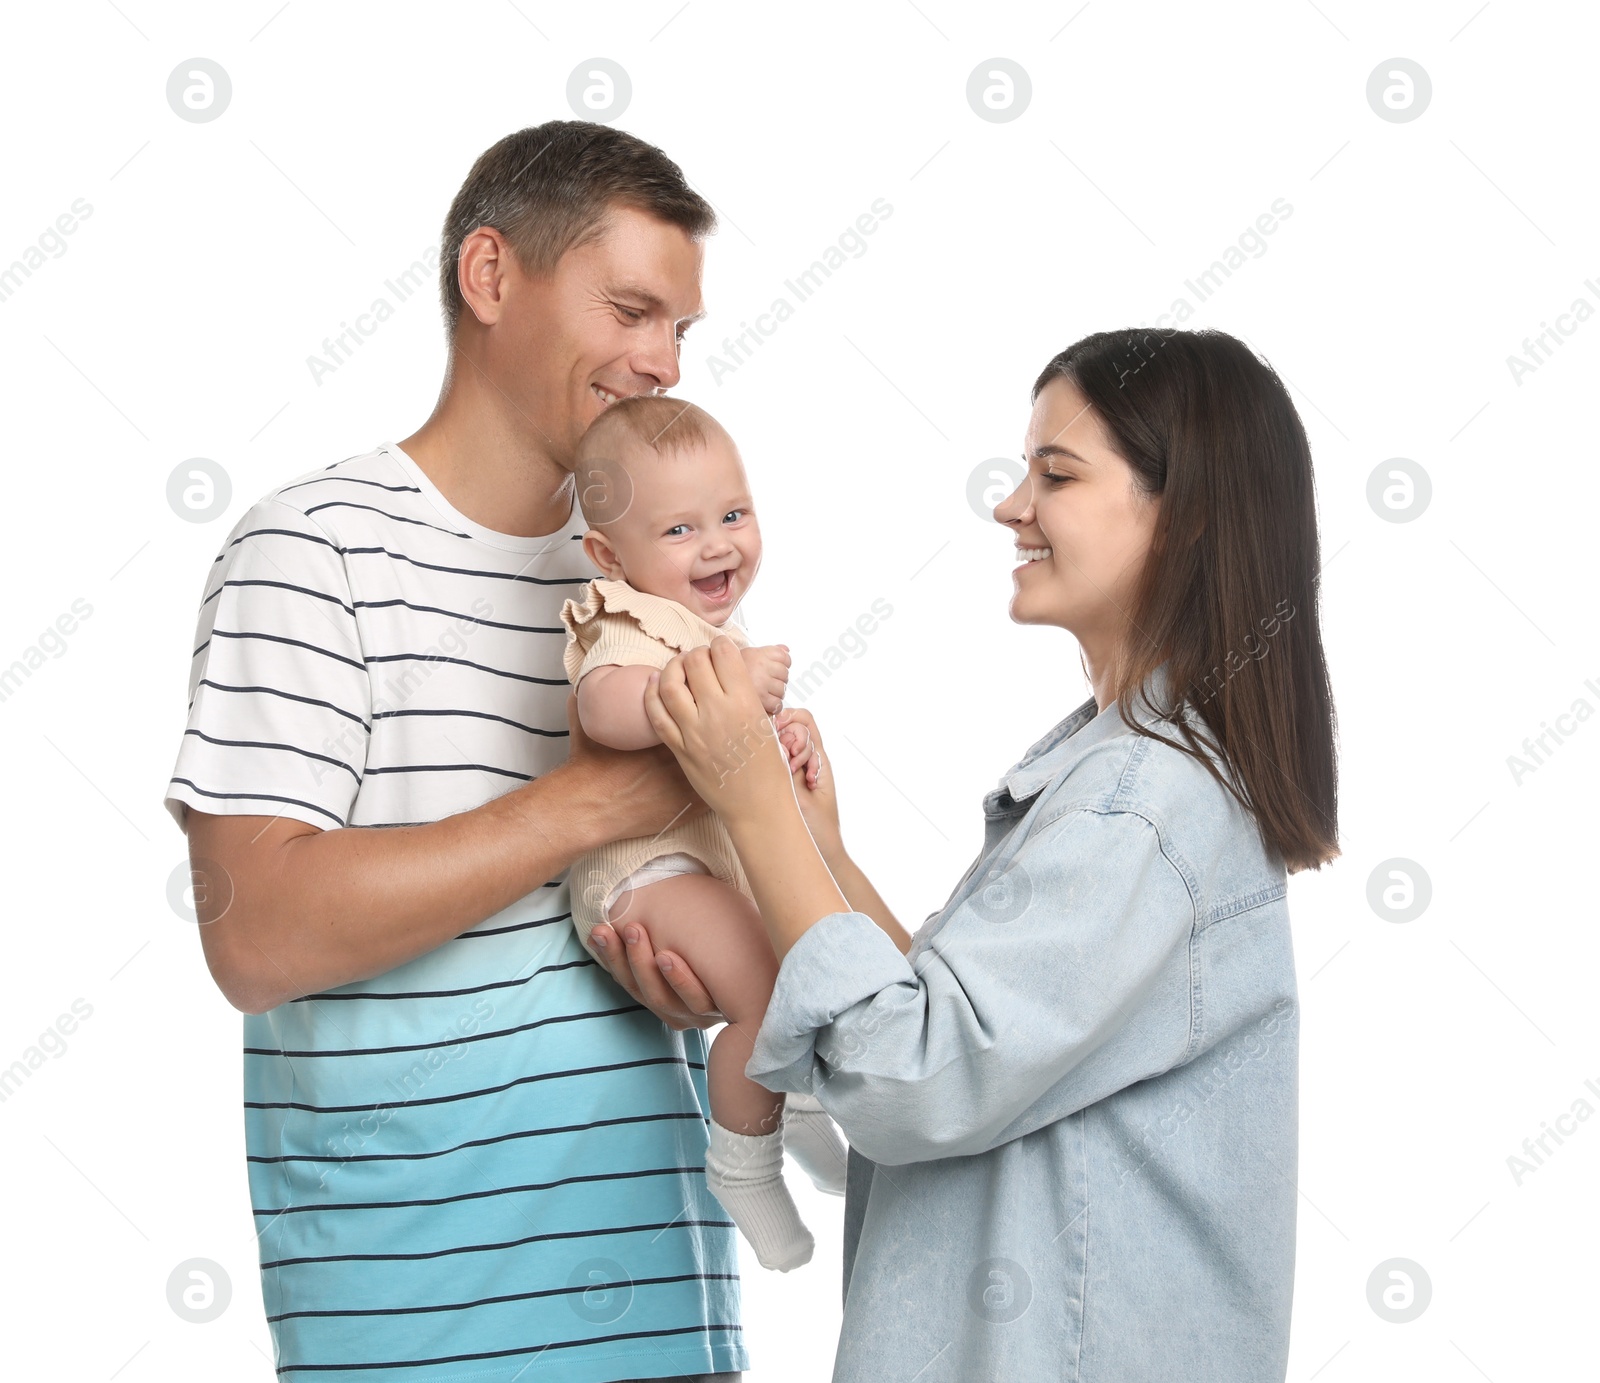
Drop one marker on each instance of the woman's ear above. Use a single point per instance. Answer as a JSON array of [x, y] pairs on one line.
[[597, 548]]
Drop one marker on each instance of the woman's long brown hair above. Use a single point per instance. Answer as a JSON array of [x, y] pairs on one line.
[[1228, 596]]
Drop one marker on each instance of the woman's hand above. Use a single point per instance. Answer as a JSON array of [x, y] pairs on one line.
[[663, 983], [708, 712], [812, 772]]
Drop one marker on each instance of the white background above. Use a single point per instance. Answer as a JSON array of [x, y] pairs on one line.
[[1418, 256]]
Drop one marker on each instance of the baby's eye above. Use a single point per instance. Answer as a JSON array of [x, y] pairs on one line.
[[734, 511], [675, 527]]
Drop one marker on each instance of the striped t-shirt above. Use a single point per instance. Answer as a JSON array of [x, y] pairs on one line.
[[487, 1163]]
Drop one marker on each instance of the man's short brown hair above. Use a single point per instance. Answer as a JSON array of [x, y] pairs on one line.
[[548, 188]]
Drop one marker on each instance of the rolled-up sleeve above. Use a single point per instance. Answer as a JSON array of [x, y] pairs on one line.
[[1061, 978]]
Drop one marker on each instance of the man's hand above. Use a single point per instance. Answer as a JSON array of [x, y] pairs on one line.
[[663, 983], [649, 795], [769, 671], [643, 791]]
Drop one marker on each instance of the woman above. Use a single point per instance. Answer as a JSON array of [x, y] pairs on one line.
[[1071, 1097]]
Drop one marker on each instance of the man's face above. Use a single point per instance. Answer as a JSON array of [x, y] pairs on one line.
[[606, 323]]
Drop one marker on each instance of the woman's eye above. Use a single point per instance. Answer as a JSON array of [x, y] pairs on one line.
[[1052, 476]]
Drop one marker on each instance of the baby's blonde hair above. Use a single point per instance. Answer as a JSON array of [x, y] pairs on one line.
[[666, 426]]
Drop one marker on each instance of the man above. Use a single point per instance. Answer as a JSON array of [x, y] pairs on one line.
[[471, 1155]]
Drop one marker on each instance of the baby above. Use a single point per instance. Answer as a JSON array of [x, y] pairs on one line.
[[673, 529]]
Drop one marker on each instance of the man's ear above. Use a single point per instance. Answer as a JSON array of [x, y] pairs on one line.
[[480, 273], [599, 551]]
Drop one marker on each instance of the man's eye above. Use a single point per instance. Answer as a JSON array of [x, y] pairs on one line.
[[633, 314]]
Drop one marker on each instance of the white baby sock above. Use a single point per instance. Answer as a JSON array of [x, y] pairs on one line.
[[745, 1173], [811, 1136]]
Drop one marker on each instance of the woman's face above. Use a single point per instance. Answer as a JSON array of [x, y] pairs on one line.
[[1080, 506]]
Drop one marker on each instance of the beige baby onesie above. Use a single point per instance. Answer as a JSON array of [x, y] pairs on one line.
[[616, 623]]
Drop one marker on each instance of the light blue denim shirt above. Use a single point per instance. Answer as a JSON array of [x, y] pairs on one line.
[[1072, 1106]]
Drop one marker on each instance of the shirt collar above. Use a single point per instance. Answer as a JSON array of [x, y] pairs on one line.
[[1050, 757]]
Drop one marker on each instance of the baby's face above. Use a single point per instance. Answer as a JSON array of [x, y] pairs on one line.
[[690, 532]]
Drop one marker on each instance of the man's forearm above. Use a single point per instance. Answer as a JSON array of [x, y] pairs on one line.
[[355, 902]]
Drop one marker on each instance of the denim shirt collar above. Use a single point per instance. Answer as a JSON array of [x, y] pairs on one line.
[[1061, 747]]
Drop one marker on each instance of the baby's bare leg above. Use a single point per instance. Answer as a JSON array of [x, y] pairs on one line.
[[719, 932]]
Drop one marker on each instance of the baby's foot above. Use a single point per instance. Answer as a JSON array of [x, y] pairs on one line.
[[810, 1135], [745, 1174]]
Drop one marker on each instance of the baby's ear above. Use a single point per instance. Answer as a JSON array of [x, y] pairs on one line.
[[598, 550]]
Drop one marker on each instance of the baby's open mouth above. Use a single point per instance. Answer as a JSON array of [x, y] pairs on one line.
[[714, 587]]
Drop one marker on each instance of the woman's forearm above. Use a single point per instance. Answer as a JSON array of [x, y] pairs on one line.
[[863, 897], [793, 886]]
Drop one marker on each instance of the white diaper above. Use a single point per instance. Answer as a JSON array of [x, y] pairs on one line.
[[662, 867]]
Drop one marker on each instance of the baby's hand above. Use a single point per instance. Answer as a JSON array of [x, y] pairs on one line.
[[802, 754], [769, 670]]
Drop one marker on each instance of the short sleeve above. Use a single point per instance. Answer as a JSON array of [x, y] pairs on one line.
[[622, 642], [279, 696]]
